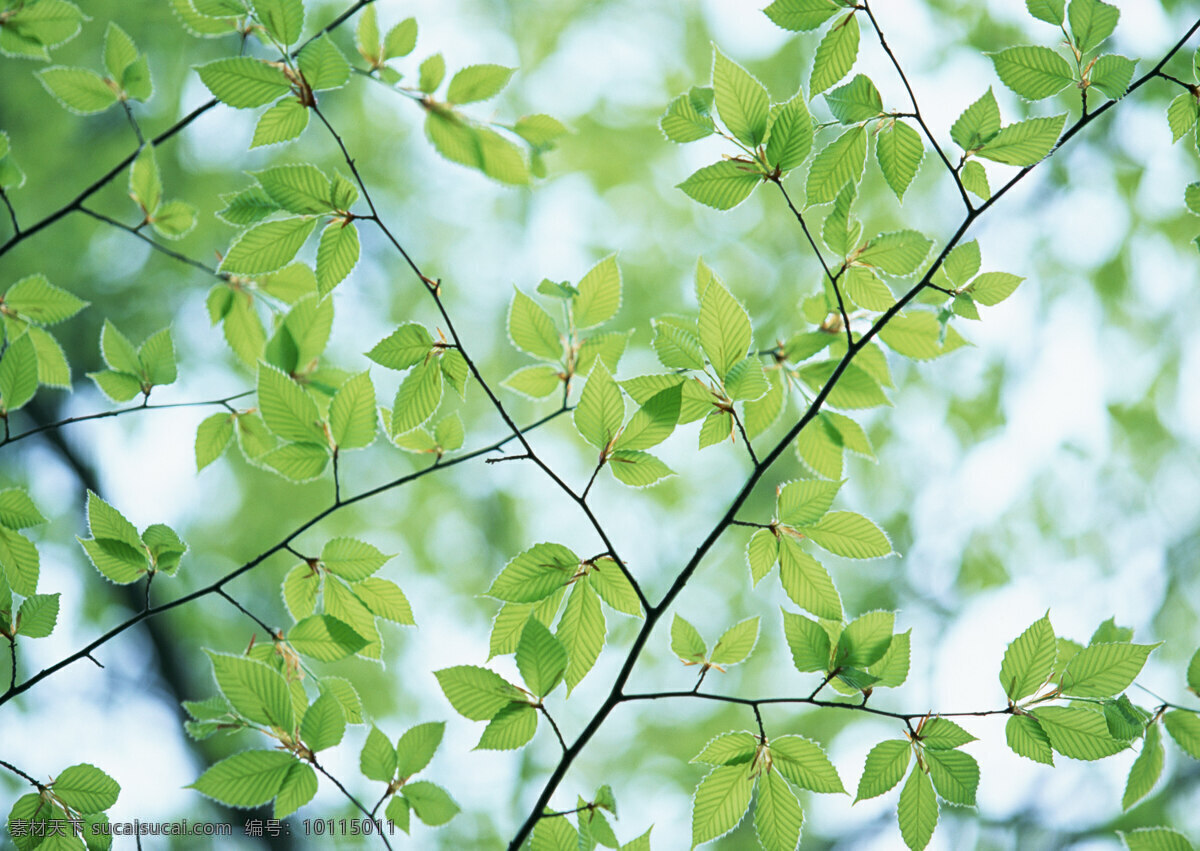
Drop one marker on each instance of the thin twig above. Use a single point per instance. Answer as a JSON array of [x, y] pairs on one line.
[[137, 131], [221, 592], [145, 406], [21, 774], [353, 800], [281, 546], [12, 214], [962, 190], [157, 246], [557, 732]]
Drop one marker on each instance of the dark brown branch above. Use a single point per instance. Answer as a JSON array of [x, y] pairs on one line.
[[353, 800], [557, 732], [21, 774]]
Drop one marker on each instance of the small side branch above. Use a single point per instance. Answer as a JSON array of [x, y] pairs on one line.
[[558, 733], [157, 246]]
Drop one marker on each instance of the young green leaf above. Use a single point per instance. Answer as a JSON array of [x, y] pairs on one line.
[[1103, 670], [978, 124], [742, 101], [791, 137], [1091, 23], [78, 89], [511, 728], [1146, 769], [432, 804], [721, 799], [848, 534], [918, 809], [1028, 660], [806, 582], [478, 82], [532, 330], [1184, 728], [885, 767], [37, 616], [804, 763], [601, 408], [777, 814], [736, 644], [856, 101], [835, 54], [838, 163], [1033, 72], [724, 328], [1024, 143], [581, 630], [242, 82], [800, 15], [599, 295], [1077, 732], [722, 185], [728, 749], [325, 638], [541, 659], [323, 65], [899, 151]]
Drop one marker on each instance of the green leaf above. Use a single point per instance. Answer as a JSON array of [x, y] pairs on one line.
[[300, 188], [18, 373], [284, 121], [300, 462], [979, 123], [119, 50], [808, 641], [637, 469], [1111, 75], [418, 397], [724, 328], [1033, 72], [1078, 733], [955, 775], [885, 767], [806, 582], [283, 19], [599, 295], [37, 616], [431, 73], [19, 561], [804, 763], [78, 89], [721, 799], [1050, 11], [256, 691], [1103, 670], [1027, 738], [791, 136], [323, 65], [1184, 728], [400, 39], [944, 734], [762, 552], [476, 693], [899, 150], [352, 559], [286, 407], [407, 346], [1028, 660], [377, 760], [324, 723], [352, 413], [777, 814], [325, 638], [800, 15], [918, 810], [892, 668], [535, 382], [838, 163], [157, 358], [898, 253], [17, 510], [164, 546], [337, 255], [835, 54], [848, 534], [541, 659], [856, 101], [736, 644], [601, 408], [1155, 839], [397, 812], [535, 574], [722, 185], [686, 642], [742, 101], [299, 787], [653, 422], [991, 288], [974, 178], [118, 561], [432, 804], [145, 183], [478, 82], [1091, 22], [532, 330], [242, 82], [37, 300], [1182, 114], [865, 639], [1024, 143], [267, 246], [760, 414], [86, 788], [511, 728], [745, 380], [917, 335], [581, 630], [247, 779], [728, 749], [1146, 769], [417, 746], [683, 122]]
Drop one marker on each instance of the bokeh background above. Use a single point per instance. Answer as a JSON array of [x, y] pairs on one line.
[[1051, 466]]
